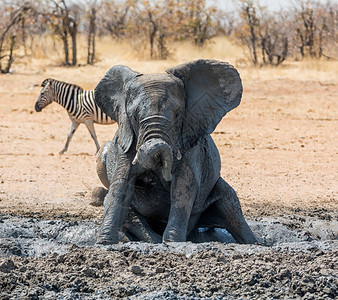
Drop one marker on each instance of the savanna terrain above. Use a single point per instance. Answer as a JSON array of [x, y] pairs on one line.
[[278, 151]]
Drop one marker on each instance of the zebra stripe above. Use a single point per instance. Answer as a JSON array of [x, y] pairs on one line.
[[78, 102]]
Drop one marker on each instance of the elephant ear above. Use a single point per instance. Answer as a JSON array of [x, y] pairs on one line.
[[110, 96], [212, 88]]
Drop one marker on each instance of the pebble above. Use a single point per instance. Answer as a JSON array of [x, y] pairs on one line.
[[7, 266], [137, 270]]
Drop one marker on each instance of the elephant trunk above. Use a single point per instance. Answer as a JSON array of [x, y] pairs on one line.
[[155, 154], [156, 146], [158, 127]]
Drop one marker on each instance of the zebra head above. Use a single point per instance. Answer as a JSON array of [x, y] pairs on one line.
[[47, 94]]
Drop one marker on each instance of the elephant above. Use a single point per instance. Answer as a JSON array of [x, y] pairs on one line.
[[162, 167]]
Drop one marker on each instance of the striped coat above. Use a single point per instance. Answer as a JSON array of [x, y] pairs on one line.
[[79, 104]]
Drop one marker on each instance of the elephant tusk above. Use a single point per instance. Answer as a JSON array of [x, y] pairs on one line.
[[135, 161], [178, 155], [166, 175]]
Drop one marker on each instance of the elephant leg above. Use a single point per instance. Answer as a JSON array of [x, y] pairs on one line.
[[98, 195], [225, 212], [91, 129], [101, 169], [72, 130], [137, 228], [118, 199], [116, 204], [183, 193]]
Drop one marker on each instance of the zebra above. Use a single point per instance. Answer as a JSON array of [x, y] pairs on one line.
[[79, 104]]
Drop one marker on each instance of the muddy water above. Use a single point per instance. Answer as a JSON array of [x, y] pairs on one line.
[[33, 237], [57, 259]]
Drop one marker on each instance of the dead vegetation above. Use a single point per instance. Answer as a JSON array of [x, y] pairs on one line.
[[153, 29]]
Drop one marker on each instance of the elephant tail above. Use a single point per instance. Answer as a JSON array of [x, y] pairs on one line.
[[101, 164]]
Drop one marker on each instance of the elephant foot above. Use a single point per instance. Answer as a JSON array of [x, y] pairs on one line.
[[101, 240], [244, 235], [108, 233], [225, 212], [98, 195], [107, 239], [172, 235]]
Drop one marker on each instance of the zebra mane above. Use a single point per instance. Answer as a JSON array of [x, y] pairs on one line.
[[47, 80]]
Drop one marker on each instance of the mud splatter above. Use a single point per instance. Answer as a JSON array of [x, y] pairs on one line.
[[59, 259]]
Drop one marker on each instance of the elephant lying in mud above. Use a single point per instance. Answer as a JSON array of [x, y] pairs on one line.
[[162, 169]]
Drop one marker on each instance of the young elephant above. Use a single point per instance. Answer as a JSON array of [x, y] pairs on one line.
[[162, 162]]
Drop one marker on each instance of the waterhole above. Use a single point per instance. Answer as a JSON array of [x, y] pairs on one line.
[[35, 237]]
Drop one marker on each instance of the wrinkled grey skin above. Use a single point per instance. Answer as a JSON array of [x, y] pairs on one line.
[[162, 165]]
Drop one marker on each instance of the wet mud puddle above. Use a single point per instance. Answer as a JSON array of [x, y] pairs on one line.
[[27, 237]]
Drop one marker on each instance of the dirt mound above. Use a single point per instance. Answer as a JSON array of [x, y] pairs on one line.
[[59, 259], [219, 272]]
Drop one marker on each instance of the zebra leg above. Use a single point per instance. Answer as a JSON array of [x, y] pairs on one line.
[[73, 128], [90, 127]]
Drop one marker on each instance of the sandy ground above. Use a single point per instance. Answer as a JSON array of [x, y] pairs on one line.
[[278, 151], [278, 148]]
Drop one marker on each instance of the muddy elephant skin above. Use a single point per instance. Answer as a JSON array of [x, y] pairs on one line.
[[162, 162]]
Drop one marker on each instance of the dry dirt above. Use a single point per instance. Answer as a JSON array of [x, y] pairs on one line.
[[278, 150]]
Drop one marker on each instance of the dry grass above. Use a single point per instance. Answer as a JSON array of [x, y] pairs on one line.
[[319, 70], [48, 55]]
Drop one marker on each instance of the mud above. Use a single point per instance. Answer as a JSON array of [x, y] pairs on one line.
[[58, 259]]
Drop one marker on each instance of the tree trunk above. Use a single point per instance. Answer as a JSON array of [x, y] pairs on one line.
[[91, 37], [74, 46], [251, 22], [10, 56], [72, 28], [93, 47], [152, 34], [89, 51], [1, 43], [65, 48], [15, 18], [151, 41], [263, 49], [162, 48], [253, 43], [301, 47], [23, 35], [64, 37]]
